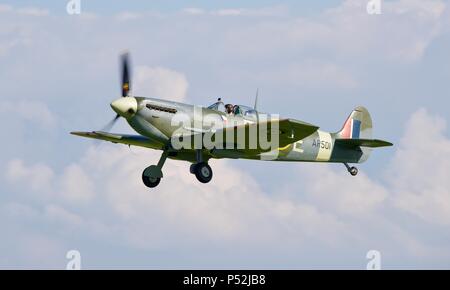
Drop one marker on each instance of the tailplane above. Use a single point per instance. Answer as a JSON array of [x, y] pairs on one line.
[[356, 134]]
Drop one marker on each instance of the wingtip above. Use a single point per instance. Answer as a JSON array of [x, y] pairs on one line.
[[82, 134]]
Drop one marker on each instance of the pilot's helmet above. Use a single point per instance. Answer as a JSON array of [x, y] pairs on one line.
[[229, 108]]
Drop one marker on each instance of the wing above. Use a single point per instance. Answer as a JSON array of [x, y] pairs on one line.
[[135, 140], [373, 143], [286, 130], [292, 130]]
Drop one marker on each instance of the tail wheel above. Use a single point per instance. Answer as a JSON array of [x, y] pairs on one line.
[[353, 171], [203, 172]]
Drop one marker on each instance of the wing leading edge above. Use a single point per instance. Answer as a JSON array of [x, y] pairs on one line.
[[135, 140], [290, 130]]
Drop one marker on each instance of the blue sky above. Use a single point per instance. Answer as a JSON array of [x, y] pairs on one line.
[[310, 61], [115, 6]]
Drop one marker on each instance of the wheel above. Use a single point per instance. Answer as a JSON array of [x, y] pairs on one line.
[[353, 171], [151, 176], [151, 181], [192, 168], [203, 172]]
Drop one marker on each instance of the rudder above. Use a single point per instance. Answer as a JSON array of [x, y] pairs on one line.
[[357, 126]]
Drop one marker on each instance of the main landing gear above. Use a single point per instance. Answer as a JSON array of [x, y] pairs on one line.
[[152, 175], [352, 170], [201, 169]]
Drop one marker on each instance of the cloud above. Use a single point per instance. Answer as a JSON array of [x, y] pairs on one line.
[[310, 74], [419, 173], [160, 82], [38, 176], [243, 12], [72, 186], [229, 209], [33, 11], [353, 197], [124, 16], [24, 11], [228, 12], [32, 111], [56, 192], [400, 34], [5, 8], [324, 208], [194, 11]]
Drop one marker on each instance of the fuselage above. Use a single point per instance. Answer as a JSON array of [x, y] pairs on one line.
[[160, 120]]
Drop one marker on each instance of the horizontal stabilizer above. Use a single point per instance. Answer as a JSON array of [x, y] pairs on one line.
[[372, 143]]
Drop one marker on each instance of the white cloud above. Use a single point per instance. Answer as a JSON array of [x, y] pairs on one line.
[[160, 82], [76, 185], [5, 8], [325, 218], [24, 11], [33, 11], [353, 197], [310, 74], [420, 169], [37, 176], [31, 111], [228, 12], [332, 209], [230, 209], [73, 185], [124, 16], [400, 34], [243, 12], [194, 11]]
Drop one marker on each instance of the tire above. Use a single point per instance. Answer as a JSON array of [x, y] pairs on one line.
[[354, 171], [151, 181], [203, 172]]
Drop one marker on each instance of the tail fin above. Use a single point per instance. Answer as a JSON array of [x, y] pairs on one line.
[[356, 135], [357, 126]]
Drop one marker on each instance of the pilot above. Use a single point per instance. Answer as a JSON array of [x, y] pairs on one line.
[[229, 108], [237, 110]]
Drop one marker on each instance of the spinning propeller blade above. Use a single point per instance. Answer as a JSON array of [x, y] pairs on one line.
[[125, 87]]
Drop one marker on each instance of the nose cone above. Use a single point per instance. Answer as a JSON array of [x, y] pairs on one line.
[[125, 107]]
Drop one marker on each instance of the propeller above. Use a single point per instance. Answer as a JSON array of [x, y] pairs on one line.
[[110, 124], [125, 87]]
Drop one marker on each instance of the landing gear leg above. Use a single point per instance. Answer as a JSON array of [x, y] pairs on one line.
[[201, 169], [152, 175], [352, 170]]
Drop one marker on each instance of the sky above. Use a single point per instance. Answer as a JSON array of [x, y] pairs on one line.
[[311, 61]]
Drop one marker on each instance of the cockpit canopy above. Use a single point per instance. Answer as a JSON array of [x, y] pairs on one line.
[[238, 110], [217, 106]]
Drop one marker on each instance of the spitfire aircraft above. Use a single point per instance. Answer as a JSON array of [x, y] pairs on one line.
[[231, 131]]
